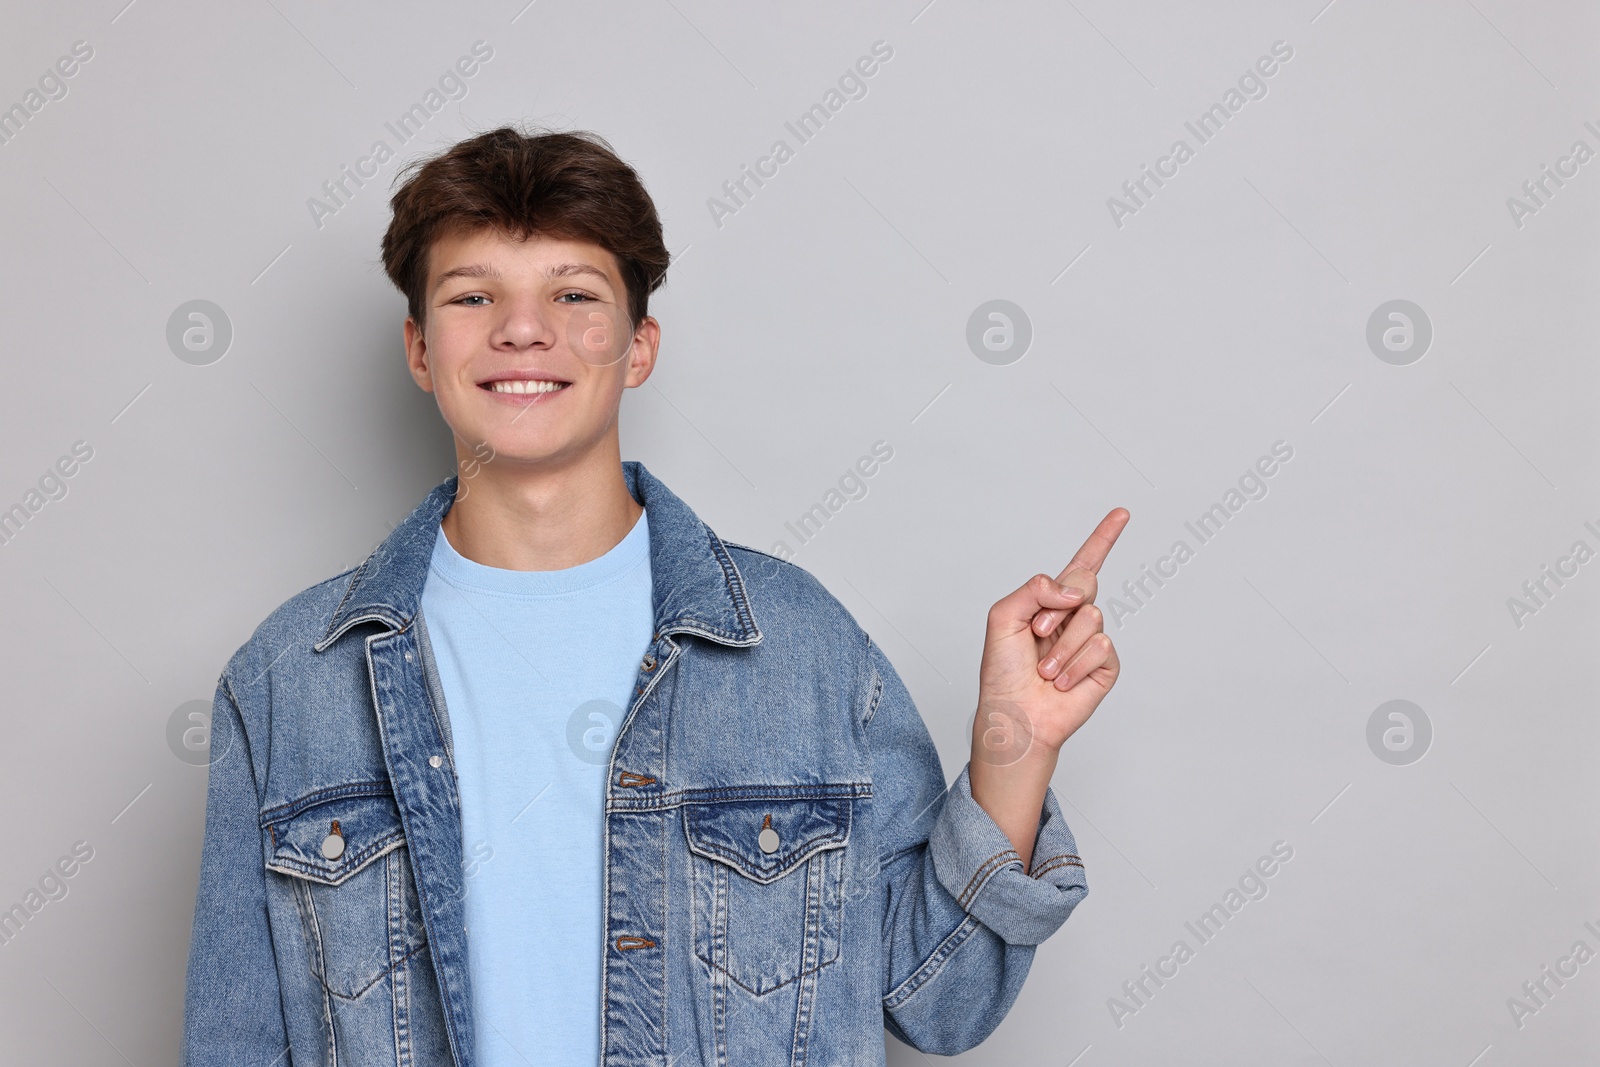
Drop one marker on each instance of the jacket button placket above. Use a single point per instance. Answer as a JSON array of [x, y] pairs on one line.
[[636, 918]]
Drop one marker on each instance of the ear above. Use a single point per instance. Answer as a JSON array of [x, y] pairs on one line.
[[642, 357], [417, 356]]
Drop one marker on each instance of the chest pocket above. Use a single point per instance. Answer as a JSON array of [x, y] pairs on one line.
[[351, 877], [768, 886]]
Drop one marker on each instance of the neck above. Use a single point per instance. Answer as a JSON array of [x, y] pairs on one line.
[[529, 518]]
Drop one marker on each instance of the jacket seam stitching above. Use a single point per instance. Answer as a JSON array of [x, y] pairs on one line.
[[423, 660], [246, 753], [822, 843], [380, 976], [932, 965], [1048, 866], [877, 688], [355, 580], [685, 797], [382, 847], [448, 998], [734, 581], [752, 548], [985, 871], [300, 805]]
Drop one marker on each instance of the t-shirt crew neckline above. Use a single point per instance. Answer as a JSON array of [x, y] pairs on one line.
[[620, 559]]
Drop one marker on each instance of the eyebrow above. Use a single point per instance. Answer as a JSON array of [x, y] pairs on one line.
[[480, 270]]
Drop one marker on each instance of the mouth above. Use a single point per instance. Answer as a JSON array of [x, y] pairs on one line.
[[523, 390]]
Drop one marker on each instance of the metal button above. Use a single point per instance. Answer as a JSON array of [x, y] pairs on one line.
[[768, 838], [649, 661], [434, 761], [333, 846]]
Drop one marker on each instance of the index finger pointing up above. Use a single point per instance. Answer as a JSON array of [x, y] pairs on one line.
[[1098, 546]]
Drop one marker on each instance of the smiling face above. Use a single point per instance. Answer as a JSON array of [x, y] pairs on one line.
[[527, 348]]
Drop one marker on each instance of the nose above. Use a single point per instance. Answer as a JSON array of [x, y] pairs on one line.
[[524, 323]]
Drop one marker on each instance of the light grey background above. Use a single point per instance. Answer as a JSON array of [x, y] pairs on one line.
[[829, 312]]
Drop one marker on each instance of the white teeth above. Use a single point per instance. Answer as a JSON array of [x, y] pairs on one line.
[[524, 386]]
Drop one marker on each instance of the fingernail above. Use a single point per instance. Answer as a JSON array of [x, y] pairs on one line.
[[1071, 590], [1050, 665]]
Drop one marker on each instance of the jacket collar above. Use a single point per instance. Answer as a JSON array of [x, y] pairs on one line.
[[695, 587]]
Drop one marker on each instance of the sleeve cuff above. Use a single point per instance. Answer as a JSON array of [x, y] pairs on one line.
[[977, 864]]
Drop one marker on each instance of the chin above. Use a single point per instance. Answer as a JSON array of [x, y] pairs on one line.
[[517, 449]]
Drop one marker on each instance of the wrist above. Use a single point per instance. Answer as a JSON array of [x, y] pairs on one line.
[[1012, 794]]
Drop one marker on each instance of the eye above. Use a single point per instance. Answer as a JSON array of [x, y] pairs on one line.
[[470, 296], [579, 295]]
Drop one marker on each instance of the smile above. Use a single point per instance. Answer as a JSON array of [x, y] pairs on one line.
[[516, 385]]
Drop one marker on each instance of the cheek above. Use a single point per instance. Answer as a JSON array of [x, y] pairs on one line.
[[600, 399], [454, 389], [448, 367]]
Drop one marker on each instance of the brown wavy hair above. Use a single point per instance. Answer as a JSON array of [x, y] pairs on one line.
[[570, 186]]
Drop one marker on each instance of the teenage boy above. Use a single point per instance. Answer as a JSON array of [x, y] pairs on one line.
[[559, 776]]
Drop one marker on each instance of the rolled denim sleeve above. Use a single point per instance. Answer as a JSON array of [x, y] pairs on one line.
[[233, 1014], [976, 862], [960, 918]]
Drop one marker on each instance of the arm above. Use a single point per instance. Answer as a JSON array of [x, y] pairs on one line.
[[964, 910], [232, 1012], [961, 919]]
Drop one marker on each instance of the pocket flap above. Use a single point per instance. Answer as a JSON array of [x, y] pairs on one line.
[[366, 824], [733, 831]]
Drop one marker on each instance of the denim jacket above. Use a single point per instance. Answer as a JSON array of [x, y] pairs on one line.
[[328, 926]]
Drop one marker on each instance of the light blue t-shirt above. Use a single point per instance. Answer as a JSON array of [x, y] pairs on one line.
[[538, 670]]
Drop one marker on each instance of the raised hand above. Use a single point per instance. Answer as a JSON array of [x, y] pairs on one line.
[[1047, 664]]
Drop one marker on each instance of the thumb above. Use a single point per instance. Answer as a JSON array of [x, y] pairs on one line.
[[1016, 611]]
